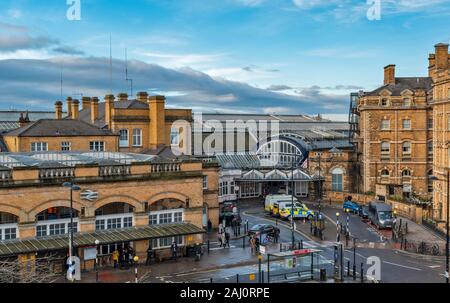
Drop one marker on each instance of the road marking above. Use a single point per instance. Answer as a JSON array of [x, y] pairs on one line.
[[198, 272], [434, 266], [404, 266]]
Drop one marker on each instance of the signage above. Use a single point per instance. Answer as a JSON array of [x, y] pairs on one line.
[[302, 251], [89, 195], [262, 249], [90, 253]]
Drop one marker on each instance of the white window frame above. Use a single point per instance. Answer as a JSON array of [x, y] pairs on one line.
[[97, 146], [161, 213], [137, 137], [174, 137], [406, 126], [386, 153], [406, 153], [39, 146], [205, 182], [66, 146], [385, 124], [4, 227], [47, 224], [120, 217], [124, 142]]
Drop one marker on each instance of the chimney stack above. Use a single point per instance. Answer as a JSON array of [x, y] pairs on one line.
[[157, 114], [94, 110], [109, 108], [142, 96], [69, 106], [75, 109], [389, 74], [58, 110], [442, 56], [85, 103], [122, 97]]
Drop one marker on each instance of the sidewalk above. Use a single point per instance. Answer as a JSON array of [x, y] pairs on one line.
[[218, 258], [419, 233]]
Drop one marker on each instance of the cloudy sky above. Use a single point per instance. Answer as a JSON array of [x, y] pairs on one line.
[[252, 56]]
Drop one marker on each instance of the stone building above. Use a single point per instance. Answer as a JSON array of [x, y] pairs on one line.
[[133, 199], [439, 71], [395, 136]]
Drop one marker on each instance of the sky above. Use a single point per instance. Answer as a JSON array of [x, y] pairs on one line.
[[246, 56]]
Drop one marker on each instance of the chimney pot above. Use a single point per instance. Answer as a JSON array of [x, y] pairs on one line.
[[86, 102], [109, 108], [94, 110], [122, 97], [442, 56], [58, 110], [389, 74], [142, 96], [69, 106], [75, 109]]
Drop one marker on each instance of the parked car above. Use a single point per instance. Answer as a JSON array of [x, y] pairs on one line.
[[263, 229], [352, 206], [364, 212], [381, 215]]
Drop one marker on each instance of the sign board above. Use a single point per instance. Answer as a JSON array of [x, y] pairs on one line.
[[262, 249], [89, 195], [90, 253]]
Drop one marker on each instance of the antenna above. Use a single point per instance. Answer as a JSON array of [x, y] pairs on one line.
[[110, 63], [126, 72], [61, 81]]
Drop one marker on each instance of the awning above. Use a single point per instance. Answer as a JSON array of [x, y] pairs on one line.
[[9, 248]]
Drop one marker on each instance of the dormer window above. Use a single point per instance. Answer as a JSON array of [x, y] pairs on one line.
[[406, 102], [384, 102]]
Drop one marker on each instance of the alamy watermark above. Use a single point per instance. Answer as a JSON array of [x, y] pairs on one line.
[[73, 10], [374, 10]]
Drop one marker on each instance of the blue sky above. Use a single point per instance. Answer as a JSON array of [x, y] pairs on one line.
[[273, 56]]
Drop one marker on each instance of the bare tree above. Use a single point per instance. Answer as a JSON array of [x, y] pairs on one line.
[[39, 270]]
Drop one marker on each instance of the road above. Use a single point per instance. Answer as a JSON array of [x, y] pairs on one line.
[[396, 267]]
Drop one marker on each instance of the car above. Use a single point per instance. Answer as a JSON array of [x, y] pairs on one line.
[[352, 206], [261, 229], [364, 212], [299, 212]]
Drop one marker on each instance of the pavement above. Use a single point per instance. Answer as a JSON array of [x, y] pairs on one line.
[[237, 263]]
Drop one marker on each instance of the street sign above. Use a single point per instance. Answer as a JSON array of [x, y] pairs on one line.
[[90, 253], [262, 249], [89, 195]]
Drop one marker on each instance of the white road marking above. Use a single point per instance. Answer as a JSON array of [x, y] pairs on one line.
[[404, 266], [434, 266]]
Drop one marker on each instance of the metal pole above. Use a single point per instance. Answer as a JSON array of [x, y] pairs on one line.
[[320, 181], [136, 273], [342, 262], [259, 268], [337, 229], [71, 222], [268, 268], [447, 257], [354, 258], [362, 272], [292, 205]]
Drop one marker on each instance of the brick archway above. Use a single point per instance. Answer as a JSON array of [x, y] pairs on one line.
[[19, 213], [50, 204], [138, 205], [167, 195]]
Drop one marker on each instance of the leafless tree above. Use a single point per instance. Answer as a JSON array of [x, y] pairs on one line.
[[39, 270]]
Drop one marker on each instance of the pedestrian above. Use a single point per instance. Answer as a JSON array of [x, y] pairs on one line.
[[220, 228], [239, 223], [174, 249], [219, 236], [252, 243], [224, 240], [277, 235], [233, 226], [115, 258], [130, 256], [123, 257], [227, 239], [257, 243], [209, 225], [149, 255]]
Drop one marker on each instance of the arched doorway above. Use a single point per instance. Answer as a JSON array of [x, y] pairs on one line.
[[8, 226], [56, 221]]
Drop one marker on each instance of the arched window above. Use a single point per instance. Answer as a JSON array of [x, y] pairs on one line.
[[406, 173], [385, 173], [337, 177]]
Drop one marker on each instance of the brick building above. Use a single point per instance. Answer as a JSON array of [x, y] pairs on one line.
[[124, 199]]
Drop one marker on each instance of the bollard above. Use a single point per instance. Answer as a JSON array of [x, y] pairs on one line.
[[281, 247], [243, 242], [237, 278], [354, 272], [211, 280], [209, 246], [301, 244], [348, 269], [262, 276], [406, 227], [362, 272]]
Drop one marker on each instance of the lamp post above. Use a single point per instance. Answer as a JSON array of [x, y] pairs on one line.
[[97, 242], [73, 187], [136, 260], [447, 244], [320, 181]]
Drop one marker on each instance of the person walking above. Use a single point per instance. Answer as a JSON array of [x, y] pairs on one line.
[[234, 226], [130, 256], [252, 244], [209, 226], [149, 255], [257, 243], [227, 239], [174, 249], [224, 240], [219, 236], [115, 258]]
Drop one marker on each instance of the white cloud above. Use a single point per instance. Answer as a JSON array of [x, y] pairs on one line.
[[180, 60]]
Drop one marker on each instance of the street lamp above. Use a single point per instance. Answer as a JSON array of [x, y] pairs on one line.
[[447, 244], [73, 187], [136, 260], [97, 242]]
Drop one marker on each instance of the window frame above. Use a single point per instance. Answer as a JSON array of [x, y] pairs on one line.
[[34, 147], [66, 146], [121, 141], [94, 146], [137, 137]]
